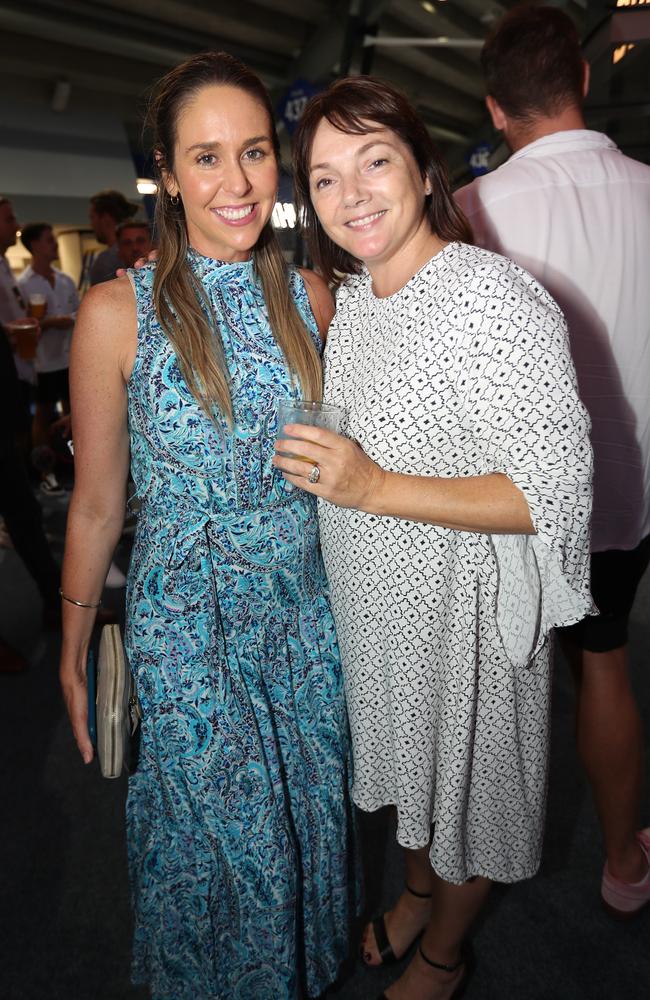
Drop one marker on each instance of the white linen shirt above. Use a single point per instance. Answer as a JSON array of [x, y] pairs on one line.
[[575, 212], [13, 307], [52, 353]]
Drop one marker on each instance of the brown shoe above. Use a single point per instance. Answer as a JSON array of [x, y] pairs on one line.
[[11, 662]]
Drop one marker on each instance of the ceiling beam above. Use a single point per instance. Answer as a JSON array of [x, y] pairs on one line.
[[449, 67], [314, 11], [64, 23], [448, 19], [244, 22], [422, 90]]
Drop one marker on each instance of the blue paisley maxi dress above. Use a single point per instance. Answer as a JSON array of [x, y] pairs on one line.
[[238, 815]]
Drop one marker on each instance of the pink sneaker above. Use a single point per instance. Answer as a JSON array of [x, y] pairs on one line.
[[625, 899]]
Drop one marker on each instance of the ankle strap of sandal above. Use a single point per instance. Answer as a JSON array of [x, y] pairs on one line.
[[418, 895], [441, 965]]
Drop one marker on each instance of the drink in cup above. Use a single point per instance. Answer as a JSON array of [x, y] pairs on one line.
[[314, 414], [26, 333], [37, 305]]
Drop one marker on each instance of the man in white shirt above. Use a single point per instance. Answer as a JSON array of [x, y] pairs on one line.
[[575, 212], [13, 309], [18, 506], [58, 291]]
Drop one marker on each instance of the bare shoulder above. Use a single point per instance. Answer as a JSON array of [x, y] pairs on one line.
[[320, 299], [106, 324], [116, 294]]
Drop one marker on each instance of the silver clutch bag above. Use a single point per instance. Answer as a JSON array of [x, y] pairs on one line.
[[118, 709]]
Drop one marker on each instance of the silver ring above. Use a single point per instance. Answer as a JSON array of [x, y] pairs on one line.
[[314, 475]]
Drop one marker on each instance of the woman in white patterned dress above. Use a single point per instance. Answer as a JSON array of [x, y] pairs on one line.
[[454, 517]]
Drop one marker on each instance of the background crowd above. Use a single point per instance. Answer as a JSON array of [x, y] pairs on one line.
[[574, 212]]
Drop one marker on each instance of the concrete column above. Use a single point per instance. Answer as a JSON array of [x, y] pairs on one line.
[[70, 253]]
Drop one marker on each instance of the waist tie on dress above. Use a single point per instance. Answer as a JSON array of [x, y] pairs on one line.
[[190, 526]]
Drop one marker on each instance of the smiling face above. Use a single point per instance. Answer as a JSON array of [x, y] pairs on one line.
[[368, 193], [225, 171]]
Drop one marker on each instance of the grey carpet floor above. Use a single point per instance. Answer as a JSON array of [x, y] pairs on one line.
[[64, 911]]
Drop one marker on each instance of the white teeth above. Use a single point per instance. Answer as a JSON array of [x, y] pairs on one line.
[[235, 213], [365, 221]]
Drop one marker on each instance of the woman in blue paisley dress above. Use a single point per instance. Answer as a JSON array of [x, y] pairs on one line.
[[238, 815]]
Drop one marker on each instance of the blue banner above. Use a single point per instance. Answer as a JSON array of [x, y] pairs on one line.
[[478, 158], [294, 102]]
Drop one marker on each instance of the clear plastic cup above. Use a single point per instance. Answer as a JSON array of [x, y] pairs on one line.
[[311, 413]]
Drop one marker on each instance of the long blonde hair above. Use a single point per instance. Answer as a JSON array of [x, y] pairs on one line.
[[181, 304]]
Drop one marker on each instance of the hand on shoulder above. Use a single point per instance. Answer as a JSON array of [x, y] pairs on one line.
[[141, 262], [321, 299]]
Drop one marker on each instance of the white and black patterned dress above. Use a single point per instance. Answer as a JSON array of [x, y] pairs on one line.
[[444, 634]]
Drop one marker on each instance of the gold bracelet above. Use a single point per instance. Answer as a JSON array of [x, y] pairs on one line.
[[80, 604]]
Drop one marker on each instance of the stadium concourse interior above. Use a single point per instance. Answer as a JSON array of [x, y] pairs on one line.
[[74, 79], [65, 921], [74, 76]]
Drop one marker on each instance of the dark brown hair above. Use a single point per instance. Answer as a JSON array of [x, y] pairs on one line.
[[132, 224], [533, 64], [113, 203], [181, 304], [360, 105], [33, 231]]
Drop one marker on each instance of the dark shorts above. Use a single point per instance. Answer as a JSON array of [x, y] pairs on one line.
[[52, 387], [615, 577]]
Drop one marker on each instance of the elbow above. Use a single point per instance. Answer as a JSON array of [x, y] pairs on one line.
[[98, 513]]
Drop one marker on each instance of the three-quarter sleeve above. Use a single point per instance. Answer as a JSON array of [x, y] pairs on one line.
[[519, 388]]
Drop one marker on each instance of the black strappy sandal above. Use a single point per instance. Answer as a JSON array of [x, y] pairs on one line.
[[384, 947], [460, 989]]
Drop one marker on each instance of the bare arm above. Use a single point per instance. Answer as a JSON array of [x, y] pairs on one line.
[[102, 353], [349, 478], [490, 503]]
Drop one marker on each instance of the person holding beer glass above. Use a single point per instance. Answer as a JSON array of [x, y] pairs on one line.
[[18, 506], [52, 299], [454, 517]]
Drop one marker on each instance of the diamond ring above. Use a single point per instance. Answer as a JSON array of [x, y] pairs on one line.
[[314, 475]]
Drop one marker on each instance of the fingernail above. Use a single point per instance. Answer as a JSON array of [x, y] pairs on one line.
[[87, 758]]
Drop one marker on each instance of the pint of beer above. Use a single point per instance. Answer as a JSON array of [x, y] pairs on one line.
[[26, 333], [37, 305]]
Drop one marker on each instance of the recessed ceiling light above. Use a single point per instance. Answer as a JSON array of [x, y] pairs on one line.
[[430, 9], [146, 186]]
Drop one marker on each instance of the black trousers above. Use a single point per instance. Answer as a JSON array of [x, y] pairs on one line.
[[24, 523]]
